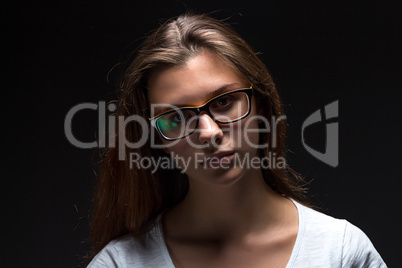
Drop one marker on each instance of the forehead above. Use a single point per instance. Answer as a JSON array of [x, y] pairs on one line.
[[195, 82]]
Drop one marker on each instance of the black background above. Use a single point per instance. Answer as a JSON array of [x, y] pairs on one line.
[[56, 55]]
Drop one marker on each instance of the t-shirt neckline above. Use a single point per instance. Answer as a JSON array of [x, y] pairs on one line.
[[293, 256]]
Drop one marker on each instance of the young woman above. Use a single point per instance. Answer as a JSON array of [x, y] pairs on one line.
[[211, 188]]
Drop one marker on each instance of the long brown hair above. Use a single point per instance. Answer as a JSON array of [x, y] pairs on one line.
[[127, 200]]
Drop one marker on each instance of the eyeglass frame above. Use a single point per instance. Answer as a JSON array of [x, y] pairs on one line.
[[204, 107]]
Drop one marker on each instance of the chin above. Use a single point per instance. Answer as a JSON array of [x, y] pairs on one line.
[[221, 177]]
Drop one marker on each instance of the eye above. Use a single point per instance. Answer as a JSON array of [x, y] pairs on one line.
[[180, 115], [175, 118], [222, 103]]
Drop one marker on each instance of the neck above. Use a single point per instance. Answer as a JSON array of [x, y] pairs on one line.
[[227, 212]]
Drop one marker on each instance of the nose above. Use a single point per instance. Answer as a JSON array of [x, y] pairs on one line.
[[210, 133]]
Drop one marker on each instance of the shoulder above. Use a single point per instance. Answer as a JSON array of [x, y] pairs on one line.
[[112, 255], [333, 242], [129, 251], [358, 251], [319, 224]]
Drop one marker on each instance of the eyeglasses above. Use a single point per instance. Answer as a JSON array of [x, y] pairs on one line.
[[226, 108]]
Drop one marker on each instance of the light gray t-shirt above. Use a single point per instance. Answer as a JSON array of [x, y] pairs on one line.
[[322, 241]]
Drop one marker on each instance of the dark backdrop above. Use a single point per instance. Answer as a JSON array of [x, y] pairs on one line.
[[56, 55]]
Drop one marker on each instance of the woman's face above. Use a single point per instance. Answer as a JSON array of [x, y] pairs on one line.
[[214, 152]]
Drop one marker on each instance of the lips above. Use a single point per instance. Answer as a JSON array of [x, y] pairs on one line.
[[218, 160]]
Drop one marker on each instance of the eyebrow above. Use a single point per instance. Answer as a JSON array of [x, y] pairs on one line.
[[209, 96], [219, 90]]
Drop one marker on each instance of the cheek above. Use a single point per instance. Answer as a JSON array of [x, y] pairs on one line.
[[180, 148], [250, 132], [182, 154]]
